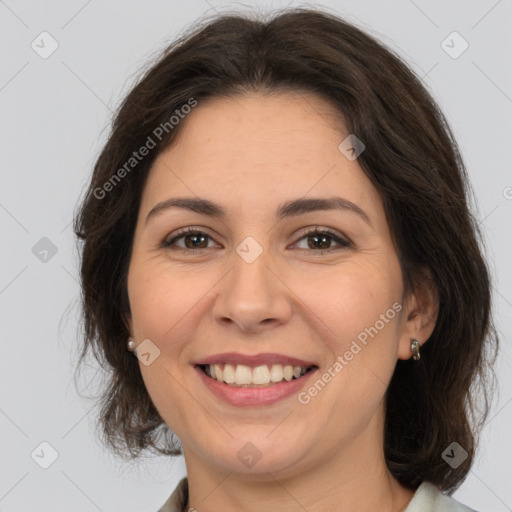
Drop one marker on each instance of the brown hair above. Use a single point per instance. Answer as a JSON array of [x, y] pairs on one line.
[[411, 158]]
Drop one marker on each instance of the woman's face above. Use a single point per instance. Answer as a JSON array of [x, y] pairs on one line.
[[257, 281]]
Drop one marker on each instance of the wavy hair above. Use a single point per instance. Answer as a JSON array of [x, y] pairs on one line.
[[411, 158]]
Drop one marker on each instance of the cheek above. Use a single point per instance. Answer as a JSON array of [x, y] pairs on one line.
[[358, 308], [350, 300], [162, 303], [365, 320], [159, 300]]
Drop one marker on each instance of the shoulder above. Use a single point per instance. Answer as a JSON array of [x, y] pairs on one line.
[[428, 498], [178, 499]]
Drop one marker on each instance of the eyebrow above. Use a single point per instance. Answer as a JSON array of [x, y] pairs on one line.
[[287, 209]]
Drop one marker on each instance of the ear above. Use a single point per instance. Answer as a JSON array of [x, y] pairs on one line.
[[420, 314]]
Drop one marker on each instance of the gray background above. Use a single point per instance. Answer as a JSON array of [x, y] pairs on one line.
[[54, 119]]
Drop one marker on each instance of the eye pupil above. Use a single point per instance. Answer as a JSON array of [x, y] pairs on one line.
[[194, 245], [323, 240]]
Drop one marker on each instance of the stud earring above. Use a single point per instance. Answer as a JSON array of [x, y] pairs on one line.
[[415, 348], [131, 345]]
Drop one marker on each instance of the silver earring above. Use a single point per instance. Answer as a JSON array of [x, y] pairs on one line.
[[131, 345], [415, 348]]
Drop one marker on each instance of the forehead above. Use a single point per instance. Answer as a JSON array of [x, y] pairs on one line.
[[257, 149], [279, 127]]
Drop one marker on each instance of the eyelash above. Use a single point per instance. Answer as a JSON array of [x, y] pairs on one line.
[[182, 233]]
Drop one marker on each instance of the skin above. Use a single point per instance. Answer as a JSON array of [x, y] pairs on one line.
[[249, 154]]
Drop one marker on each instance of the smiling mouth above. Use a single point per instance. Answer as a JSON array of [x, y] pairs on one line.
[[243, 376]]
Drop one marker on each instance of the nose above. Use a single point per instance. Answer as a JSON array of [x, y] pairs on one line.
[[252, 297]]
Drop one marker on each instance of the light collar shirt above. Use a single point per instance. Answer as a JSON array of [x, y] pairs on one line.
[[427, 498]]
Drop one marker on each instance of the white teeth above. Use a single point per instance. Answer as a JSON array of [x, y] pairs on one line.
[[276, 373], [228, 375], [260, 376], [243, 375]]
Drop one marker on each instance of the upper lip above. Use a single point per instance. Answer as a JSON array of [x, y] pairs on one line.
[[235, 358]]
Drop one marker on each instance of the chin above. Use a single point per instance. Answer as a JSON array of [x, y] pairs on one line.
[[253, 457]]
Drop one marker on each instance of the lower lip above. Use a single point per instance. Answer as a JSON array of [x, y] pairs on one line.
[[254, 396]]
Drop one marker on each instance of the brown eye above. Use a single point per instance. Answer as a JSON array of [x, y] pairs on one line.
[[321, 240], [193, 239], [317, 240]]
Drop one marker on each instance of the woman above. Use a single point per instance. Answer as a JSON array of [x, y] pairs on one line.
[[278, 229]]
